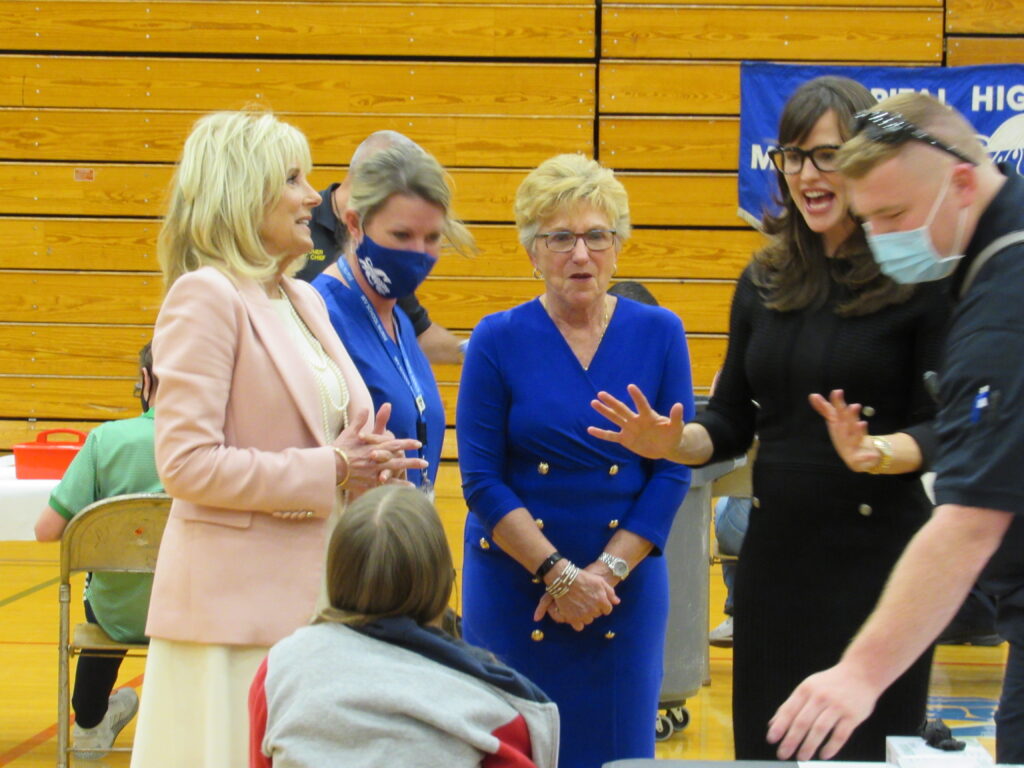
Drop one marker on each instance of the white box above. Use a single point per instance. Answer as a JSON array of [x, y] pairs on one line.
[[912, 752]]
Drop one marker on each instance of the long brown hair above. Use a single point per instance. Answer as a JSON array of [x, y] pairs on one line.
[[793, 270], [388, 556]]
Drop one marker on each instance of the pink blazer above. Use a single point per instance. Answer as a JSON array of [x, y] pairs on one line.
[[239, 434]]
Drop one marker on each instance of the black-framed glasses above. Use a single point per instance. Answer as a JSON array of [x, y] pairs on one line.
[[563, 241], [790, 160], [892, 128]]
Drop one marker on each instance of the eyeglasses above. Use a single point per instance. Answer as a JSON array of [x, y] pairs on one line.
[[790, 160], [892, 128], [564, 241]]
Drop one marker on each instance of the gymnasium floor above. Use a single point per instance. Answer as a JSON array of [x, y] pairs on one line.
[[965, 681]]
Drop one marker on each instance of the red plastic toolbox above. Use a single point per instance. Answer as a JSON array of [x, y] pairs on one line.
[[46, 459]]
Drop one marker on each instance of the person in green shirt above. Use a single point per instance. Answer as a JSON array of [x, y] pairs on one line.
[[116, 458]]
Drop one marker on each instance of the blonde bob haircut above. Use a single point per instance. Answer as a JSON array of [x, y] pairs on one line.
[[388, 556], [860, 155], [406, 169], [233, 168], [563, 183]]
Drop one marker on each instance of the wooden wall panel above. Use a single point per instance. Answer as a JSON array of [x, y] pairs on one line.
[[836, 5], [669, 87], [80, 244], [355, 87], [752, 32], [696, 200], [14, 431], [459, 303], [966, 51], [79, 297], [153, 136], [129, 245], [685, 200], [101, 189], [670, 143], [71, 349], [67, 398], [995, 17], [417, 29]]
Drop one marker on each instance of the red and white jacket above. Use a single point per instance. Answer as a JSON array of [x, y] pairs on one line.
[[394, 693]]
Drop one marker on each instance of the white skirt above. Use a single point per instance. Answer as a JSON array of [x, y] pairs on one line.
[[194, 708]]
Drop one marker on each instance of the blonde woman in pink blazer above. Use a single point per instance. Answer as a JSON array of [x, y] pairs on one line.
[[264, 428]]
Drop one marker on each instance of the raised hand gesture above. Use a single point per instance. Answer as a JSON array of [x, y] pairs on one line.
[[847, 430], [644, 431]]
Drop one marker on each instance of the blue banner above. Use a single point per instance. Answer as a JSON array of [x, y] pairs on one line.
[[991, 97]]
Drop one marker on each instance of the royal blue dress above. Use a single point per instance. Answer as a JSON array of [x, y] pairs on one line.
[[380, 373], [523, 412]]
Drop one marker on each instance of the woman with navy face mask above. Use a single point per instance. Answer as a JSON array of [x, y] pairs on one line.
[[398, 216]]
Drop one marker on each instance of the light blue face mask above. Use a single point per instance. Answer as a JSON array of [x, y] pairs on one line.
[[910, 257]]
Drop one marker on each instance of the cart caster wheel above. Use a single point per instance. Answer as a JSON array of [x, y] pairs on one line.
[[680, 717], [662, 727]]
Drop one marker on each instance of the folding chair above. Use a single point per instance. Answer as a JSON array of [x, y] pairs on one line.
[[121, 535]]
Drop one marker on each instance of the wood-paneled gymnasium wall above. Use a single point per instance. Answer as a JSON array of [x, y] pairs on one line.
[[96, 99]]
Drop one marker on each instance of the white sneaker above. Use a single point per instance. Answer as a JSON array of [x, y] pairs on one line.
[[94, 743], [721, 636]]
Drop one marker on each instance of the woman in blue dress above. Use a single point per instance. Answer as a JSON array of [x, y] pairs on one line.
[[563, 575], [398, 215]]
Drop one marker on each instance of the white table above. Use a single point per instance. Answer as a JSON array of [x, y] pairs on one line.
[[21, 501]]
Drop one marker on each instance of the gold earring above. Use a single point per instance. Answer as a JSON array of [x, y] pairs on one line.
[[537, 275], [615, 268]]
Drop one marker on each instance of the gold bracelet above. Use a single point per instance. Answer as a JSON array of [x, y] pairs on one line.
[[348, 466], [884, 448]]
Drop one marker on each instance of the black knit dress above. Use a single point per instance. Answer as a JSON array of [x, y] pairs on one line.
[[822, 539]]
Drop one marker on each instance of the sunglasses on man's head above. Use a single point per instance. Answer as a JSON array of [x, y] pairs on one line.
[[892, 128]]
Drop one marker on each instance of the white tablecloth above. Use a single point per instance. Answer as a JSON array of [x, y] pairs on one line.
[[21, 501]]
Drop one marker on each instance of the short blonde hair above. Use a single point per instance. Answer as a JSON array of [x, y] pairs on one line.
[[858, 156], [388, 556], [406, 169], [233, 168], [562, 183]]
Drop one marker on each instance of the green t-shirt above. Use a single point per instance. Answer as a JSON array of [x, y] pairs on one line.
[[117, 458]]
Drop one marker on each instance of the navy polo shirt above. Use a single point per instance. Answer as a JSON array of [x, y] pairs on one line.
[[980, 426]]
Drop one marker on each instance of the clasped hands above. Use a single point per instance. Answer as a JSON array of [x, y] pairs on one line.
[[375, 457], [590, 596]]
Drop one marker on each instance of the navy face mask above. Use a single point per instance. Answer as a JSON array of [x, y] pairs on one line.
[[391, 272]]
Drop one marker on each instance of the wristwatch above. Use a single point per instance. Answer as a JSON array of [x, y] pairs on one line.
[[618, 566]]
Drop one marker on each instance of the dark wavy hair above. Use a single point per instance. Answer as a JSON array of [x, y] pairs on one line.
[[793, 271]]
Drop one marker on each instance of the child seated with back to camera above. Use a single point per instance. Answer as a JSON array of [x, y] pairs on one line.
[[374, 680]]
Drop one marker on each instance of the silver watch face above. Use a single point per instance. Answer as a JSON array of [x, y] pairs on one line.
[[620, 568]]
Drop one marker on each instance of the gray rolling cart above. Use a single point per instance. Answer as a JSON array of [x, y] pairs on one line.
[[686, 640]]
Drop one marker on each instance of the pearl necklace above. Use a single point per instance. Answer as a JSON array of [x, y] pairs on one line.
[[321, 362]]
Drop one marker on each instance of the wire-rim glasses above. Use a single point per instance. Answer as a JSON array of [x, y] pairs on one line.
[[563, 241], [790, 160], [892, 128]]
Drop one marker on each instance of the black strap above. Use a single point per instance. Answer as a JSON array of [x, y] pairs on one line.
[[982, 258], [547, 565]]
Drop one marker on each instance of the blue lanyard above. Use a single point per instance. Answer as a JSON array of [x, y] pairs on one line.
[[395, 351]]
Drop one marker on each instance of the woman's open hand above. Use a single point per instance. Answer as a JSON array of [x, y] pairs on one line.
[[847, 430], [645, 431], [375, 456]]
